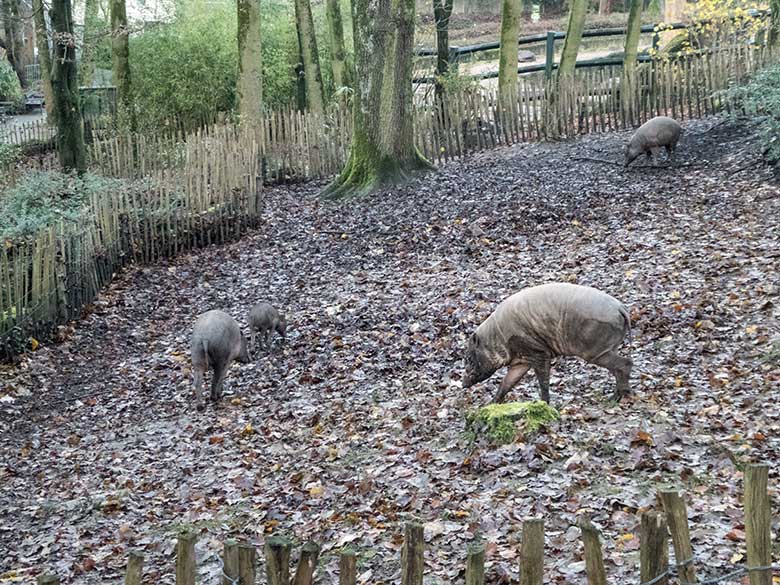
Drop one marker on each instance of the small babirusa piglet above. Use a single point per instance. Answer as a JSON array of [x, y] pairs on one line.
[[265, 319], [651, 136], [216, 342], [539, 323]]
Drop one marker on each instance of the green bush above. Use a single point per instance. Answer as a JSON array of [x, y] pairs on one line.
[[43, 198], [760, 99], [10, 90], [9, 154]]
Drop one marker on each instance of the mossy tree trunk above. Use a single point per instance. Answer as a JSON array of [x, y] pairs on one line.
[[65, 83], [442, 10], [309, 56], [633, 31], [120, 63], [14, 45], [250, 63], [383, 151], [774, 30], [571, 45], [507, 57], [44, 58], [90, 39], [338, 57]]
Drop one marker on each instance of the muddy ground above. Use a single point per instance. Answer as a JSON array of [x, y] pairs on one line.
[[356, 422]]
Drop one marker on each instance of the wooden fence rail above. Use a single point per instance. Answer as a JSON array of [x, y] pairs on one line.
[[239, 565]]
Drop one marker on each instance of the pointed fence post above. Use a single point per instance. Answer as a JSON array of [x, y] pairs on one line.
[[277, 560], [594, 561], [304, 574], [135, 568], [347, 567], [247, 564], [186, 569], [230, 562], [475, 564], [653, 547], [677, 518]]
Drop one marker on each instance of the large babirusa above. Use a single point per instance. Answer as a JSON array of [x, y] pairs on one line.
[[656, 133], [530, 328], [216, 342]]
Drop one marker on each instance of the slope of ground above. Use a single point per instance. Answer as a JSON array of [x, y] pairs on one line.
[[356, 422]]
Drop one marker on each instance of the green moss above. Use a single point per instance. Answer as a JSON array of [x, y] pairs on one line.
[[499, 422]]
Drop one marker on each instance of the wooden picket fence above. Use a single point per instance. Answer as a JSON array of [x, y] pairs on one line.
[[239, 560], [212, 197]]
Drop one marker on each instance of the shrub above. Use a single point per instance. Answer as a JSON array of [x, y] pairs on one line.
[[760, 99], [10, 90]]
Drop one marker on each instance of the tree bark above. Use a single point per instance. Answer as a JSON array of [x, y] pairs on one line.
[[633, 31], [250, 64], [44, 58], [442, 10], [338, 57], [383, 151], [571, 45], [309, 56], [507, 58], [13, 38], [120, 63], [774, 24], [89, 40], [70, 134], [605, 7]]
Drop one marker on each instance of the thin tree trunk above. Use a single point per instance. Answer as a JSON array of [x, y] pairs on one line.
[[571, 46], [338, 57], [90, 39], [250, 64], [310, 56], [383, 151], [774, 30], [442, 10], [120, 62], [507, 58], [633, 31], [70, 135], [44, 58]]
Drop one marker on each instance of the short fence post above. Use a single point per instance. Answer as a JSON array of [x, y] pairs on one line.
[[549, 54], [186, 569], [677, 517], [304, 574], [135, 568], [412, 555], [247, 562], [230, 562], [277, 560], [475, 564], [594, 561], [653, 547], [347, 567], [532, 552], [48, 579], [758, 523]]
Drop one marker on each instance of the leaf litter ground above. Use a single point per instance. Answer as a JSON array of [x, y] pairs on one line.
[[356, 422]]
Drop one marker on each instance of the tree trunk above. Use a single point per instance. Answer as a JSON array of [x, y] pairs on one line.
[[605, 7], [442, 10], [673, 12], [90, 39], [774, 24], [507, 58], [70, 135], [383, 151], [13, 38], [633, 31], [309, 56], [571, 45], [250, 64], [338, 57], [44, 58], [120, 63]]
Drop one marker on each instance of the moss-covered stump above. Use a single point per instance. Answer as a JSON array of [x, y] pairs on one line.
[[501, 423]]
